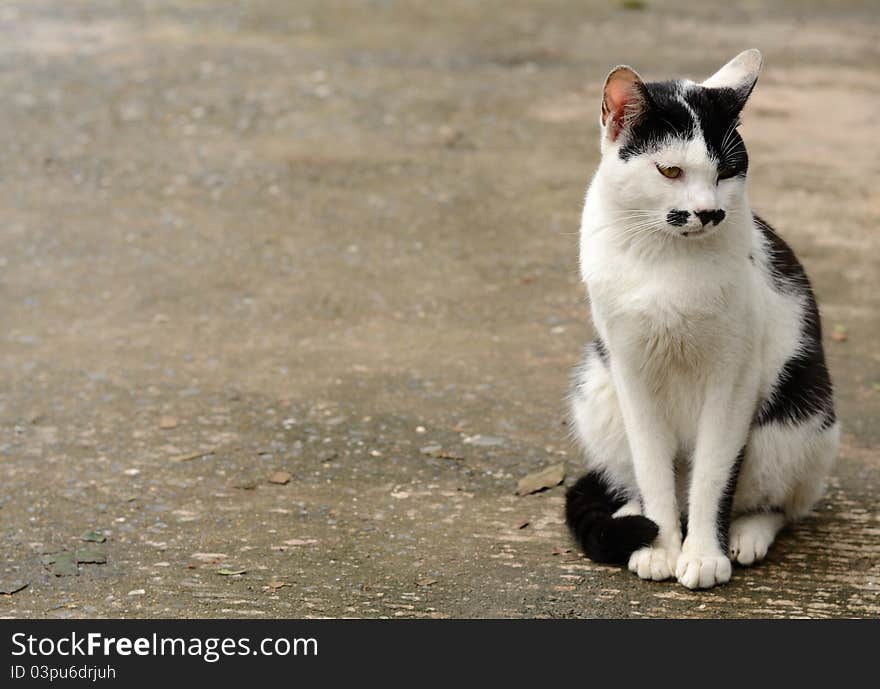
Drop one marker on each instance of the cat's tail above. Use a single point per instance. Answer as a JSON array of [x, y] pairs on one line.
[[589, 506]]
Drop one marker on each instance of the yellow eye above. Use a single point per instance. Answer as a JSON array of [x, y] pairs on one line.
[[671, 172]]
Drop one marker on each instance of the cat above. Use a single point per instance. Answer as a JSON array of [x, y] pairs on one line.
[[704, 406]]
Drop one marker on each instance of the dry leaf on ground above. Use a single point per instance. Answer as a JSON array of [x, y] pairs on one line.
[[280, 477], [540, 480]]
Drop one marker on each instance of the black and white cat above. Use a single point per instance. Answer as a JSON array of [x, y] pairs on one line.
[[705, 392]]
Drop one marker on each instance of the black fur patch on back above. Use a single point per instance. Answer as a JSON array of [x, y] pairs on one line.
[[678, 110], [803, 388], [589, 505]]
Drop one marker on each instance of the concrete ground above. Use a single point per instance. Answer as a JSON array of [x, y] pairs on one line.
[[334, 243]]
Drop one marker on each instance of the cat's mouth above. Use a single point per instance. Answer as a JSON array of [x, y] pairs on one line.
[[696, 233]]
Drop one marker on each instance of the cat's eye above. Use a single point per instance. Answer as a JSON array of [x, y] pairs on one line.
[[672, 172]]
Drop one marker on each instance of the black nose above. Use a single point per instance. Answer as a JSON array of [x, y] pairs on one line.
[[714, 217]]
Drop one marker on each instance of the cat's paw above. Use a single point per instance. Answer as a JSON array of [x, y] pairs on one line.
[[653, 563], [702, 571], [751, 537]]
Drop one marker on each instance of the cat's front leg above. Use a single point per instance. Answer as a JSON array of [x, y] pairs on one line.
[[719, 452], [652, 446]]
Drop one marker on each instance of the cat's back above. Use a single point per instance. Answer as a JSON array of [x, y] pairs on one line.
[[779, 261], [796, 383]]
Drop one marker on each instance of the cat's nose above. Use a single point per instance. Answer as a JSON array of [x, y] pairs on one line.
[[714, 217]]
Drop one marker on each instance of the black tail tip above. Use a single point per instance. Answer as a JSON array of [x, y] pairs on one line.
[[589, 505]]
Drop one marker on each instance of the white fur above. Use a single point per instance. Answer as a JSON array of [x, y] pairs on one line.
[[751, 536], [698, 336], [741, 69]]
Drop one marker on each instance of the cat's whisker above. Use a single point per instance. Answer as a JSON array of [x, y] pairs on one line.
[[631, 227], [625, 226], [736, 146], [729, 134]]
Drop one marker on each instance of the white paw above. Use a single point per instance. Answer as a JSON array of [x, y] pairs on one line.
[[653, 563], [702, 571], [748, 542]]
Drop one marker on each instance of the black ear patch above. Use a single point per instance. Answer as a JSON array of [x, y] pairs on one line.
[[682, 110], [717, 113], [667, 118]]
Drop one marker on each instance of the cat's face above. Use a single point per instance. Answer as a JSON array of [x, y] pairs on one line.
[[672, 159]]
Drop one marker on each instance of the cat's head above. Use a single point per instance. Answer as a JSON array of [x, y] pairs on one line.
[[671, 156]]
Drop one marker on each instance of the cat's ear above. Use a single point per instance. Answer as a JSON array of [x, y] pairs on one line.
[[624, 100], [740, 74]]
